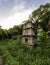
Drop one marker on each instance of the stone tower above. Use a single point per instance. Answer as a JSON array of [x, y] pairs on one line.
[[28, 35]]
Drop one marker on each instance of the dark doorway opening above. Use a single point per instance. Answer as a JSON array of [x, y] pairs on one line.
[[26, 40]]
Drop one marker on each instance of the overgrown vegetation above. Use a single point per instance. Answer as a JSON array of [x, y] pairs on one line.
[[11, 33], [14, 52]]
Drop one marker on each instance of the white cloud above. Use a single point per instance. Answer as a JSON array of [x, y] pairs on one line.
[[19, 8], [15, 19], [15, 16]]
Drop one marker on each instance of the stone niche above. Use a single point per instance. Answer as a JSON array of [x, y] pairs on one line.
[[28, 40]]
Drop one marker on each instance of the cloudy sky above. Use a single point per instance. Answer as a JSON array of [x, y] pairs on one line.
[[13, 12]]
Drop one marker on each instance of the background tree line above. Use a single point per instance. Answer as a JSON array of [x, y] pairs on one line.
[[10, 33]]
